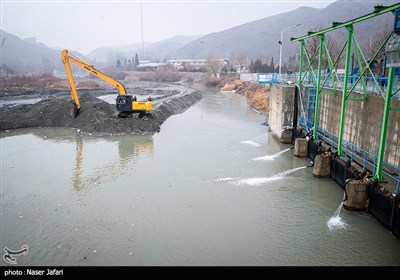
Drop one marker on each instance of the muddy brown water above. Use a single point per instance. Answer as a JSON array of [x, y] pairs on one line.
[[189, 195]]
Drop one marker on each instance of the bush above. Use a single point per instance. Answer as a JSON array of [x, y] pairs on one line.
[[119, 75], [87, 84], [162, 75], [211, 82], [30, 81], [113, 73], [260, 101]]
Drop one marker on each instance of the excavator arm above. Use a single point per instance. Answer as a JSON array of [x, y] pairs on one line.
[[66, 59]]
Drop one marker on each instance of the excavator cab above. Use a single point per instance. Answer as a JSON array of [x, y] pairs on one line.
[[127, 105], [124, 103]]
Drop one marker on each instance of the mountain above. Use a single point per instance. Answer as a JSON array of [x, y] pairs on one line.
[[153, 51], [24, 56], [168, 48], [259, 39], [27, 55], [111, 53]]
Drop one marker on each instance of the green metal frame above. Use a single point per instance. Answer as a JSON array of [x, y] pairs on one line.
[[350, 44], [350, 32], [385, 123]]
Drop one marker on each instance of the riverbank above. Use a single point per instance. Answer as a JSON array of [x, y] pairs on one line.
[[257, 95]]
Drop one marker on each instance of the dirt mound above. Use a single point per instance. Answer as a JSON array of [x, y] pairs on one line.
[[96, 117]]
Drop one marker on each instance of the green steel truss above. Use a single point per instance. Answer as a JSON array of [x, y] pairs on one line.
[[363, 64]]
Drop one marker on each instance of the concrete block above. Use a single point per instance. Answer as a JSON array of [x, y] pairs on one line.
[[300, 147], [356, 195], [322, 166]]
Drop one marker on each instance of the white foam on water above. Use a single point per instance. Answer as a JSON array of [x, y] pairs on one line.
[[261, 180], [250, 142], [287, 172], [336, 222], [225, 179], [257, 181], [261, 135], [271, 157], [264, 158]]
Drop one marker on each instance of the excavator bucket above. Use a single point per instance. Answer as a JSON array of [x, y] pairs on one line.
[[74, 110]]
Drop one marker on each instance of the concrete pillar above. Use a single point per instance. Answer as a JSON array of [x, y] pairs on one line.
[[356, 195], [300, 147], [322, 166], [286, 136], [281, 112]]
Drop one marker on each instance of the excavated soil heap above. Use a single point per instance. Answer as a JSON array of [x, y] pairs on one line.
[[96, 116]]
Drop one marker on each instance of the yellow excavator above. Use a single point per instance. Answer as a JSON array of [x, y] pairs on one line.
[[126, 104]]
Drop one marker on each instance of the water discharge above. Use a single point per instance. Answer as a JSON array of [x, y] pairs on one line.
[[252, 142], [336, 222], [256, 181], [225, 179], [261, 180], [271, 157]]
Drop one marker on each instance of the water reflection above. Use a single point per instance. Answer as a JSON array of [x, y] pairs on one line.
[[130, 148], [95, 159]]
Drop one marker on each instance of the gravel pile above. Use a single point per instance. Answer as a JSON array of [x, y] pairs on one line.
[[96, 116]]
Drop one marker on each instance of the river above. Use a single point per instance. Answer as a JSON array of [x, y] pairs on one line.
[[212, 188]]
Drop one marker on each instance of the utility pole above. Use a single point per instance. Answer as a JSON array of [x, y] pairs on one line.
[[281, 47], [141, 21]]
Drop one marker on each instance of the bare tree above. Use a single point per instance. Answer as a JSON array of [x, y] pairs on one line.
[[214, 65], [241, 59], [376, 42], [5, 70], [333, 44], [312, 45]]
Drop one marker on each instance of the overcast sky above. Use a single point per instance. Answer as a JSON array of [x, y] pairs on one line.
[[87, 25]]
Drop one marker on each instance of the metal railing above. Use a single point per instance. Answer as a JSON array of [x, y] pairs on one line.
[[356, 154], [370, 85]]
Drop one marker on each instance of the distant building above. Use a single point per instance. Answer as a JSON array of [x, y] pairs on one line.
[[194, 64], [151, 66]]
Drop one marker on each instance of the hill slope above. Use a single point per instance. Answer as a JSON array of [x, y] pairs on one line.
[[24, 56], [259, 39], [157, 51]]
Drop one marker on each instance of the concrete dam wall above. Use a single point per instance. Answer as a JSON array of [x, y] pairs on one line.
[[362, 124]]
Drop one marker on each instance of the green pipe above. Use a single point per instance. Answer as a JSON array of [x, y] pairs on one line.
[[309, 67], [318, 89], [345, 84], [385, 121], [335, 66], [357, 51], [301, 62], [330, 64]]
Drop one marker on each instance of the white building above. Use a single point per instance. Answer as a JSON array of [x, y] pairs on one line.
[[196, 64]]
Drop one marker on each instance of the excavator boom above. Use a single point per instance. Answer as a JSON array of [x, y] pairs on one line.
[[66, 59]]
